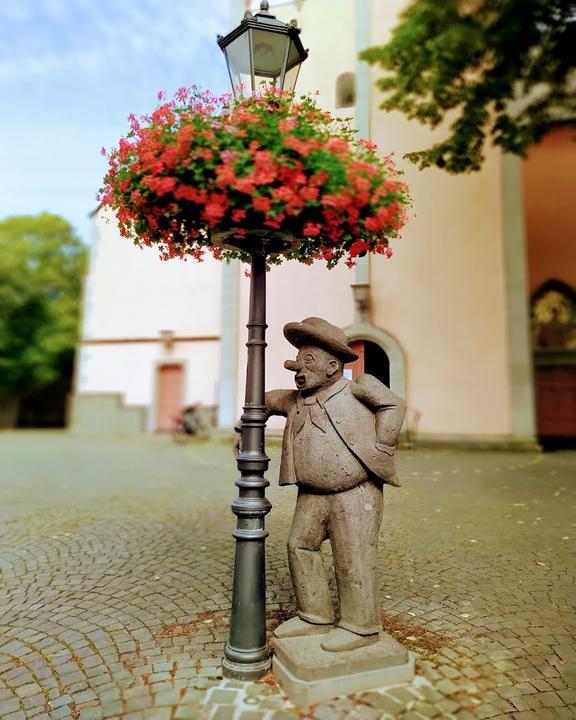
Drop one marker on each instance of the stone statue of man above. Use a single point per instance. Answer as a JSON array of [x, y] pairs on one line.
[[338, 448]]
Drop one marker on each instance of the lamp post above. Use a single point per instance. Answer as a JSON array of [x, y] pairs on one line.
[[260, 51]]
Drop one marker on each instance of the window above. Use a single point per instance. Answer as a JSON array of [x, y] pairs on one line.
[[345, 90]]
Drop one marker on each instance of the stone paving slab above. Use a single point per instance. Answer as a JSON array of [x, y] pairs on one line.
[[116, 557]]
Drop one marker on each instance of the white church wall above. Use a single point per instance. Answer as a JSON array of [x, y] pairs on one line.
[[131, 293], [139, 313]]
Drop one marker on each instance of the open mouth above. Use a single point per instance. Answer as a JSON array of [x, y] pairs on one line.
[[300, 380]]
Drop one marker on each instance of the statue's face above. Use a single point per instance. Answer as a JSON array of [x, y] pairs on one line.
[[314, 368]]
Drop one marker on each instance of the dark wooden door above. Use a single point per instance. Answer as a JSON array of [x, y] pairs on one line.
[[556, 401]]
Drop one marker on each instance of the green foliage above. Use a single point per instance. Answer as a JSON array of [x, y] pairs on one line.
[[503, 69], [41, 266]]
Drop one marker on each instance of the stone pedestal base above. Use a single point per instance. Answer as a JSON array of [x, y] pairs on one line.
[[308, 674]]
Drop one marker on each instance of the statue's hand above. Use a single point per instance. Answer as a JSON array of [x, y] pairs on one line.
[[237, 444], [370, 391], [238, 439]]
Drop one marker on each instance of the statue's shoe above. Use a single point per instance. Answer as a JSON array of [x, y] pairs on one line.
[[296, 627], [340, 640]]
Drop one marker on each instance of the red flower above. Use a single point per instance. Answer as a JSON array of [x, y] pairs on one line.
[[283, 194], [373, 224], [311, 229], [204, 154], [183, 192], [309, 193], [303, 147], [360, 246], [334, 201], [337, 145], [225, 175], [245, 185], [319, 178], [213, 211], [171, 157], [238, 215], [160, 185], [261, 204]]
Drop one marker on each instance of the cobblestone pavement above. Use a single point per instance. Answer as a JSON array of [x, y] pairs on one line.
[[116, 571]]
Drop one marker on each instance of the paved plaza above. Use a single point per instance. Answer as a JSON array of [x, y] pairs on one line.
[[116, 566]]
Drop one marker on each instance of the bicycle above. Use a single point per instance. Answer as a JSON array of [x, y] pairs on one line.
[[189, 424]]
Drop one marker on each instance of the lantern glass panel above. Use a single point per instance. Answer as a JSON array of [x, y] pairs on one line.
[[269, 53], [238, 58], [291, 77], [293, 56]]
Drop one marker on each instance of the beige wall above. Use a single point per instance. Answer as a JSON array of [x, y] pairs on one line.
[[550, 208], [442, 295], [131, 293]]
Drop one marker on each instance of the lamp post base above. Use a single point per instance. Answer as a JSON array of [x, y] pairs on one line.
[[246, 671]]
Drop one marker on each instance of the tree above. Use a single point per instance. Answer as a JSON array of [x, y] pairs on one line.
[[499, 68], [41, 266]]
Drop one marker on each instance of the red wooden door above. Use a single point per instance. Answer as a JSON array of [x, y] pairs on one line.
[[556, 401], [357, 366], [170, 387]]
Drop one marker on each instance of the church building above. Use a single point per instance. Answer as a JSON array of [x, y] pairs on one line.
[[473, 319]]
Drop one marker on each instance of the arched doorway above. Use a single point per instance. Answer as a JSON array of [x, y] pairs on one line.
[[372, 359], [385, 356], [381, 355]]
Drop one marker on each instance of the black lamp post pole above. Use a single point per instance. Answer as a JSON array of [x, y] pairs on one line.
[[246, 655]]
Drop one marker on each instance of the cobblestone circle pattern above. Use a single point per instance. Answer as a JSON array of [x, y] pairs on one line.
[[116, 567]]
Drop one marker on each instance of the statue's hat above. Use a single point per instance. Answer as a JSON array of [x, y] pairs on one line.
[[315, 331]]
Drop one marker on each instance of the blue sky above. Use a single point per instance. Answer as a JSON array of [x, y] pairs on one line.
[[70, 73]]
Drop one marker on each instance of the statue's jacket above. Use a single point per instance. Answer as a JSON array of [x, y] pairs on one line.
[[366, 415]]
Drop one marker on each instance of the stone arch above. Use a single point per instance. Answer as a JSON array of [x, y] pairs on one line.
[[392, 348]]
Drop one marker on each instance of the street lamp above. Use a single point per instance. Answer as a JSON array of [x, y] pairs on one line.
[[260, 49], [263, 51]]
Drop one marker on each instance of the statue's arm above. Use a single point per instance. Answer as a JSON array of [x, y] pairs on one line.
[[388, 408], [278, 402]]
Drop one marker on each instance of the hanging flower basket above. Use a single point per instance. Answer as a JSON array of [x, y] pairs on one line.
[[224, 175]]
